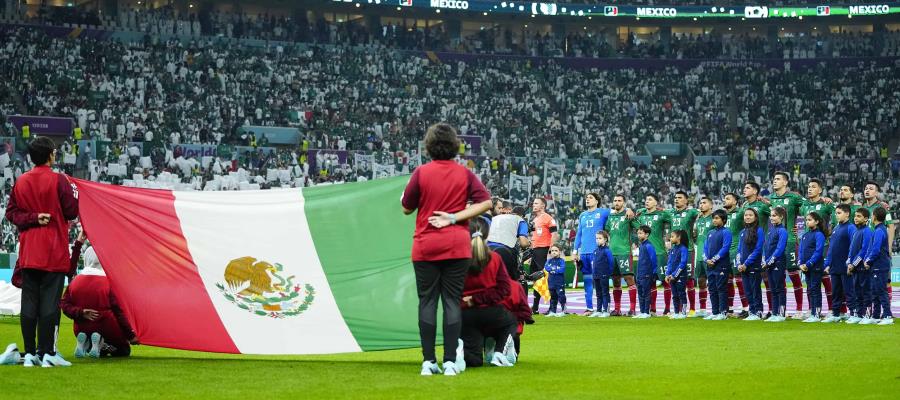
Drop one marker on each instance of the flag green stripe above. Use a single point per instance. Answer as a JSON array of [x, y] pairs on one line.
[[363, 241]]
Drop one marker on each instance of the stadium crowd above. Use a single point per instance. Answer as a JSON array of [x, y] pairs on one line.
[[352, 98]]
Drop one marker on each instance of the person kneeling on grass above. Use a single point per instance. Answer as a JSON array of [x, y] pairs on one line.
[[556, 267], [486, 287], [89, 301]]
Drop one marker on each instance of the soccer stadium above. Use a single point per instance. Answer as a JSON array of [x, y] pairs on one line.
[[449, 199]]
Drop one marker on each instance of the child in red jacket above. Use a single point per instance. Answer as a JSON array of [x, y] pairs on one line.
[[90, 302]]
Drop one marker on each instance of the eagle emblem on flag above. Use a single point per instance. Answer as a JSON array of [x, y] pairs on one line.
[[258, 287]]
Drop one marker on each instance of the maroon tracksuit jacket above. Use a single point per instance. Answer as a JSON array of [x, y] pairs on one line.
[[92, 291], [43, 247]]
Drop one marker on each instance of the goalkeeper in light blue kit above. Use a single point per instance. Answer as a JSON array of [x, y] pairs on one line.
[[589, 223]]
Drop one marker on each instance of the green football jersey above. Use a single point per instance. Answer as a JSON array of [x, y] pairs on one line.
[[619, 228], [702, 226], [735, 224], [824, 210], [684, 220], [791, 203], [656, 221], [888, 221]]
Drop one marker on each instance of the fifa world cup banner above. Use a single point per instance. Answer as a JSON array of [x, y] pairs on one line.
[[562, 197], [274, 275], [193, 150], [519, 189]]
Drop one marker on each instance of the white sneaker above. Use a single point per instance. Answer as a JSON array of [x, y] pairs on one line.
[[775, 318], [509, 350], [31, 360], [96, 341], [753, 317], [853, 320], [867, 321], [812, 318], [11, 355], [604, 315], [831, 319], [561, 314], [720, 317], [887, 321], [595, 315], [700, 314], [709, 317], [450, 369], [460, 356], [429, 368], [81, 345], [54, 361], [644, 316], [499, 360]]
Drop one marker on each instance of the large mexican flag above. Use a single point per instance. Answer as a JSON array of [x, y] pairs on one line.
[[284, 271]]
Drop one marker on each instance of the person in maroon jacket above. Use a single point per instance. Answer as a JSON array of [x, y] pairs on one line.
[[441, 252], [89, 301], [41, 203], [486, 287]]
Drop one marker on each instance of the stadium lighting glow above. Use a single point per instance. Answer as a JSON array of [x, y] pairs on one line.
[[358, 5]]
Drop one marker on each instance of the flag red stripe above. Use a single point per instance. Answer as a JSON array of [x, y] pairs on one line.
[[166, 303]]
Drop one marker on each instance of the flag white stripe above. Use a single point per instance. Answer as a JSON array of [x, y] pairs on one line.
[[271, 226]]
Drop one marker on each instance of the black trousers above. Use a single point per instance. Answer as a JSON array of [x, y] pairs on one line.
[[444, 279], [538, 259], [478, 323], [41, 292]]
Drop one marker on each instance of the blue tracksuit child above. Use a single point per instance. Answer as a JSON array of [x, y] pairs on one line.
[[879, 260], [775, 262], [716, 248], [862, 276], [677, 269], [750, 256], [603, 266], [646, 274], [811, 251], [556, 267], [836, 264], [589, 223]]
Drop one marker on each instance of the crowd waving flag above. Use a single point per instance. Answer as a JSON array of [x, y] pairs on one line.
[[286, 271]]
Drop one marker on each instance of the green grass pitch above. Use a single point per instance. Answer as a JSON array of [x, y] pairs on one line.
[[562, 358]]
